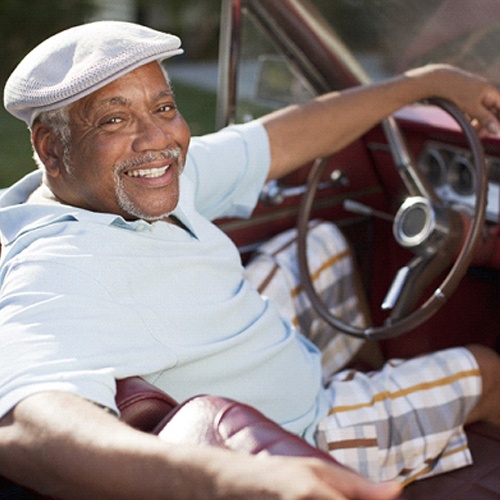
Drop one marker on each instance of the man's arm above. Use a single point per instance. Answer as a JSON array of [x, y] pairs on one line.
[[66, 447], [299, 134]]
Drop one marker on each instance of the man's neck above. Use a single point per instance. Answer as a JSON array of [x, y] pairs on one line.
[[43, 194]]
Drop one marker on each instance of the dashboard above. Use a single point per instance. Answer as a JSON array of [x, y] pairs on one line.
[[450, 171]]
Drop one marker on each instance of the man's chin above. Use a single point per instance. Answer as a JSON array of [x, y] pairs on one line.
[[150, 207], [150, 213]]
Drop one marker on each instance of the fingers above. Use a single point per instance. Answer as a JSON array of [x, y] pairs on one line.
[[382, 491], [352, 485], [491, 102], [364, 489], [486, 126], [491, 99], [485, 118], [481, 102], [473, 94], [300, 478]]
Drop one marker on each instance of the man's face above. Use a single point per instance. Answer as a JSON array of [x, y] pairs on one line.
[[128, 146]]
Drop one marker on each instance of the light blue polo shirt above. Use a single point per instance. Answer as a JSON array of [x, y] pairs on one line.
[[89, 297]]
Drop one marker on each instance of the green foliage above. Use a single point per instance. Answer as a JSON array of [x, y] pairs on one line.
[[15, 149], [352, 19], [25, 23], [195, 21], [197, 106]]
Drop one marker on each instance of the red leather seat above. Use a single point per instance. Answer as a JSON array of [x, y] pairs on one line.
[[142, 405], [207, 420], [224, 423]]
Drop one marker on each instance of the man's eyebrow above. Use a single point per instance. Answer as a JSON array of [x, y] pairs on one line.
[[113, 101], [123, 101], [164, 93]]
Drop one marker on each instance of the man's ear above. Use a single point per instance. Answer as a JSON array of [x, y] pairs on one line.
[[49, 148]]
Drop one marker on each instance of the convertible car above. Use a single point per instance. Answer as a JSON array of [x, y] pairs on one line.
[[418, 197]]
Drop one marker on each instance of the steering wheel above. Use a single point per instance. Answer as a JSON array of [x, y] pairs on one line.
[[422, 224]]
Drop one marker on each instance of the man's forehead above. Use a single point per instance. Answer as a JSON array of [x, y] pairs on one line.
[[118, 92]]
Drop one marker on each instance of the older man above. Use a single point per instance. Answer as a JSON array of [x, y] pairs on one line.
[[112, 268]]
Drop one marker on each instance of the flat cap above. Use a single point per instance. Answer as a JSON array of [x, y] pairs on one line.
[[80, 60]]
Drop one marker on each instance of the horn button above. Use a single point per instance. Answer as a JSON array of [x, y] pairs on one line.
[[420, 225]]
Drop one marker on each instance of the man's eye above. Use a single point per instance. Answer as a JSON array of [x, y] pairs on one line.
[[112, 120], [167, 108]]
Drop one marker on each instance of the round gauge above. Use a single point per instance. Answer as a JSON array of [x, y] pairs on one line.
[[432, 164], [460, 176]]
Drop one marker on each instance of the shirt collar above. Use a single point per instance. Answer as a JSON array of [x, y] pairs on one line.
[[18, 217]]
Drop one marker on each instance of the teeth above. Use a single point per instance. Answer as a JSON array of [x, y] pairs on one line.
[[148, 172]]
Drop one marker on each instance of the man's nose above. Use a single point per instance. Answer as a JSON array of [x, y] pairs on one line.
[[151, 135]]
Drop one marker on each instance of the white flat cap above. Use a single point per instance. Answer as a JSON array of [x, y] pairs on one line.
[[80, 60]]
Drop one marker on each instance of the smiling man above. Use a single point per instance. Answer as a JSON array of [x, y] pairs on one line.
[[111, 267]]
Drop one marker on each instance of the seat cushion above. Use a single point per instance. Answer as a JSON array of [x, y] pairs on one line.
[[481, 481], [215, 421]]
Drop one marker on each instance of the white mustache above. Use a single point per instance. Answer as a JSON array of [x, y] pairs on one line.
[[168, 154]]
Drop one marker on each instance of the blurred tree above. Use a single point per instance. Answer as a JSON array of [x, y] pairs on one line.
[[24, 23], [195, 21], [352, 19]]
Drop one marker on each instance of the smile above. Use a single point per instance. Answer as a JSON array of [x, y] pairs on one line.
[[149, 173]]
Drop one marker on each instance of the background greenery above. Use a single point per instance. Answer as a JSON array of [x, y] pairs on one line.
[[21, 28]]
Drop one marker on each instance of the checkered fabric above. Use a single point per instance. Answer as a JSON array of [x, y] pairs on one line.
[[274, 272], [403, 422]]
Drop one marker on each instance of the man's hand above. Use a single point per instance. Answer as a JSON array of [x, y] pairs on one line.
[[471, 93], [296, 478]]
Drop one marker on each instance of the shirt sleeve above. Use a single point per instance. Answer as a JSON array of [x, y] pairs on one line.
[[62, 331], [228, 169]]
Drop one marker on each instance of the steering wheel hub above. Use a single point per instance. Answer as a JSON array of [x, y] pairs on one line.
[[420, 224]]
